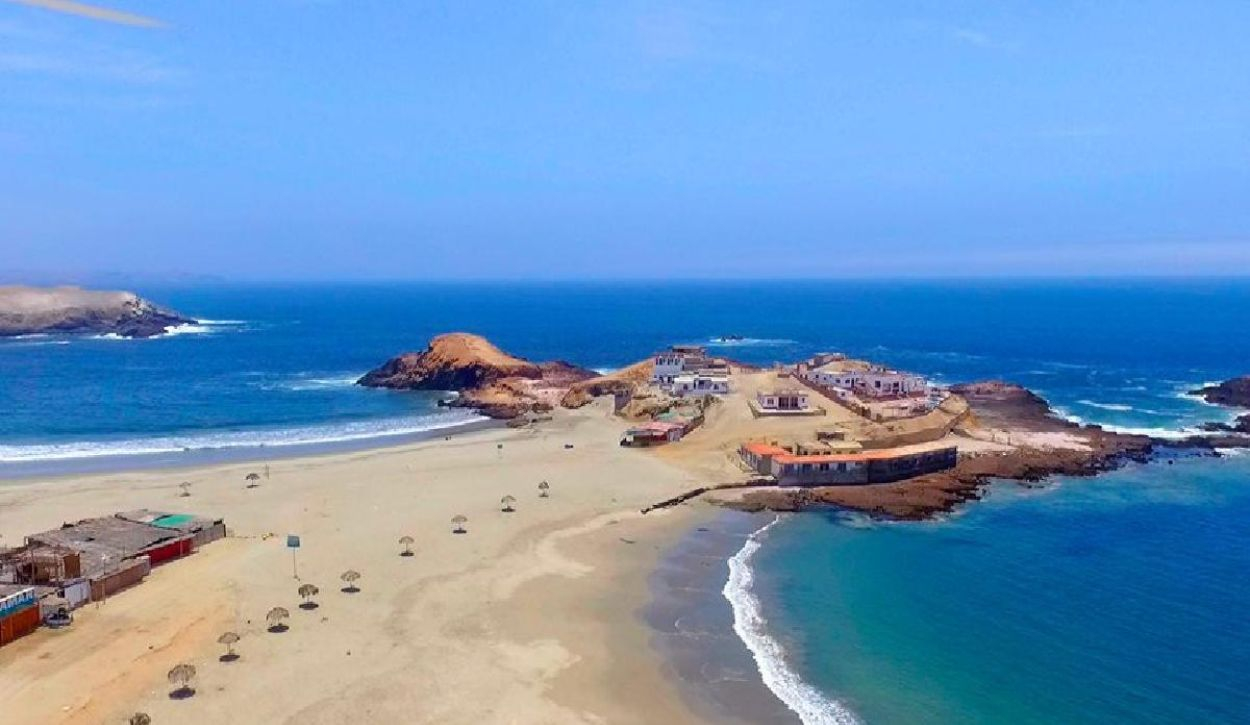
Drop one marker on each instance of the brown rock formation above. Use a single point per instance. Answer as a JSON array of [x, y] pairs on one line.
[[488, 379], [626, 379]]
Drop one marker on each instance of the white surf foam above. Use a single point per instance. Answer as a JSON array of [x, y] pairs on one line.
[[215, 440], [1121, 407], [812, 707], [749, 342]]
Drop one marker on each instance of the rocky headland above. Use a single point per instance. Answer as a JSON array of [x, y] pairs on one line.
[[73, 310], [485, 378], [1029, 443]]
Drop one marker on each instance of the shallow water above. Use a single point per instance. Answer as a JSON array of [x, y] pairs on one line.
[[1116, 599]]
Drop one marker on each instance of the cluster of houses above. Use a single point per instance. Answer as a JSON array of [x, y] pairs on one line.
[[56, 571], [839, 462], [831, 371], [685, 370]]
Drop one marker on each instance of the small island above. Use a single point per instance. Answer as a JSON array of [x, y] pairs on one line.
[[73, 311]]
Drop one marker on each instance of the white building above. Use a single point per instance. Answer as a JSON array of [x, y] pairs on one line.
[[795, 400], [677, 360], [876, 383], [699, 384]]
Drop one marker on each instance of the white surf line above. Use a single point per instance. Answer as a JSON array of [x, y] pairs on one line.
[[812, 707]]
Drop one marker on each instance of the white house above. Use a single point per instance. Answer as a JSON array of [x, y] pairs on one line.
[[782, 399], [699, 384], [677, 360], [876, 383]]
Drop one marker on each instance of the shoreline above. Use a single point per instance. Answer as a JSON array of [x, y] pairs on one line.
[[21, 470], [692, 624], [536, 611]]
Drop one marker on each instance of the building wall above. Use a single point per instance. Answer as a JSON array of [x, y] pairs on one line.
[[884, 470], [104, 586], [19, 624], [897, 469], [172, 550]]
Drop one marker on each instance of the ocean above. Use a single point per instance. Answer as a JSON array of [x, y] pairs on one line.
[[1117, 599]]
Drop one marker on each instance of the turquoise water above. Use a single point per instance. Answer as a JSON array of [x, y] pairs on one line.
[[1116, 599]]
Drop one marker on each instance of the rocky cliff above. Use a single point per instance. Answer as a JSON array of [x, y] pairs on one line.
[[72, 310], [487, 379]]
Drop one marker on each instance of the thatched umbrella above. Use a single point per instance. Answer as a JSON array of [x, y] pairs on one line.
[[186, 488], [181, 676], [543, 488], [349, 577], [307, 592], [507, 504], [458, 521], [406, 542], [252, 479], [228, 639], [277, 619]]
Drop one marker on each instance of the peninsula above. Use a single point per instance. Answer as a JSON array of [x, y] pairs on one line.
[[73, 310]]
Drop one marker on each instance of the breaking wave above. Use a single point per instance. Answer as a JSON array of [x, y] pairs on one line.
[[227, 439], [812, 707], [1121, 407], [749, 342]]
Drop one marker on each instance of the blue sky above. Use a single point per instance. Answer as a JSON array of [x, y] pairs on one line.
[[314, 139]]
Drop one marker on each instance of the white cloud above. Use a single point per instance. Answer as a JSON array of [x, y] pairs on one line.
[[93, 12]]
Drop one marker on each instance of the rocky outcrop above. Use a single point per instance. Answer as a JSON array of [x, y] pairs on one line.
[[73, 310], [1233, 393], [487, 379], [625, 380]]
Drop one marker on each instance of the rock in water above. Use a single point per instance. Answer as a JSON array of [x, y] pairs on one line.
[[488, 379], [1234, 393], [73, 310]]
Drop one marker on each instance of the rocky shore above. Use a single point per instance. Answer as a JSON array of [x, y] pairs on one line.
[[1015, 416], [1233, 393], [73, 310]]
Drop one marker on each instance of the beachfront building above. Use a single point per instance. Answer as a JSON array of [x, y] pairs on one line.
[[800, 465], [683, 359], [93, 558], [872, 383], [699, 384]]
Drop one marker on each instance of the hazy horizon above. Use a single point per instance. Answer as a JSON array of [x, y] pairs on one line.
[[292, 140]]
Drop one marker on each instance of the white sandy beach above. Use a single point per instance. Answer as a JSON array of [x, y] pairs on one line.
[[529, 617]]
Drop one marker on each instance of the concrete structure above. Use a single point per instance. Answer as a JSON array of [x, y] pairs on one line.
[[681, 360], [653, 433], [677, 360], [786, 399], [874, 383], [802, 466], [699, 384]]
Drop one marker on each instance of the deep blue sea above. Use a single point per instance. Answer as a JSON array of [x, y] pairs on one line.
[[1120, 599]]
